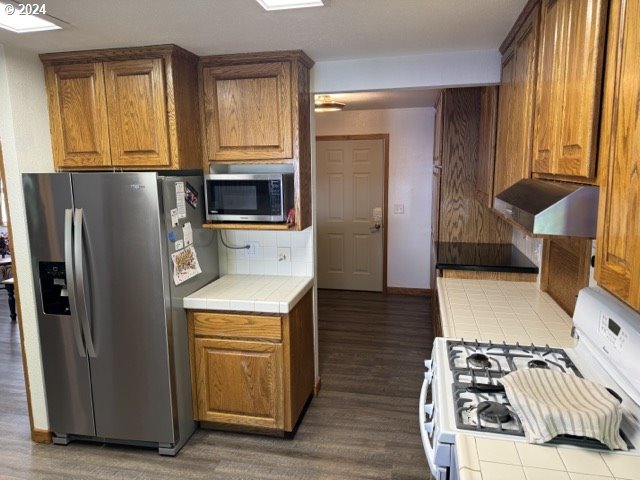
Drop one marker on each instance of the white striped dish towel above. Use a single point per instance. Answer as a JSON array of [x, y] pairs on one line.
[[551, 403]]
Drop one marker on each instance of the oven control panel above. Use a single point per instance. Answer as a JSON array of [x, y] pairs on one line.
[[612, 331]]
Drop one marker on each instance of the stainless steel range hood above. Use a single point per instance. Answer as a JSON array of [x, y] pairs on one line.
[[543, 207]]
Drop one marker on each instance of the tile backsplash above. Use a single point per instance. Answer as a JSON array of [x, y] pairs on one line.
[[277, 253]]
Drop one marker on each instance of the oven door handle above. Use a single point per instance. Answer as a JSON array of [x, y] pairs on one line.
[[428, 449]]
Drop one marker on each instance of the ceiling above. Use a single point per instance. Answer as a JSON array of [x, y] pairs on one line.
[[343, 29]]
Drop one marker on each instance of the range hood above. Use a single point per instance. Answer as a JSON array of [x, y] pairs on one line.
[[544, 207]]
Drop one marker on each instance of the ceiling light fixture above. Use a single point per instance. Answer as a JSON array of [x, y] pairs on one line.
[[286, 4], [23, 18], [324, 103]]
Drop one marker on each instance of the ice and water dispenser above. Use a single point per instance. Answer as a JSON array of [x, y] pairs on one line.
[[53, 286]]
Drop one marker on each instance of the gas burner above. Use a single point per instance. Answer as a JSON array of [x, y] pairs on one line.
[[493, 412], [479, 360], [538, 364]]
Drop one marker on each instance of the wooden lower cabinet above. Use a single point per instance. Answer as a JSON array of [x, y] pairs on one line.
[[252, 370], [239, 382]]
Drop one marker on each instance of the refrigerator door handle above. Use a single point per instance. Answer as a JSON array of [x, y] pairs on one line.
[[71, 280], [78, 247]]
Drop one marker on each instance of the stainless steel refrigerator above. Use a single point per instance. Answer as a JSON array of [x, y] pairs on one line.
[[113, 332]]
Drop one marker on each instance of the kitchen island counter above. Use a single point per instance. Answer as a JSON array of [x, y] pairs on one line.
[[519, 312], [250, 293]]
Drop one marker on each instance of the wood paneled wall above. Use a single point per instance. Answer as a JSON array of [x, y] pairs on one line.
[[462, 217]]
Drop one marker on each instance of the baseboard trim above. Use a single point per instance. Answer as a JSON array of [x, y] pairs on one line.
[[41, 436], [316, 387], [413, 292]]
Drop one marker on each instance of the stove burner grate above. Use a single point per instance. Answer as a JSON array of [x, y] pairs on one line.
[[479, 360], [536, 363], [493, 412]]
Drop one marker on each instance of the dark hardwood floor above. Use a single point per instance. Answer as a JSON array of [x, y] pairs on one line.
[[363, 425]]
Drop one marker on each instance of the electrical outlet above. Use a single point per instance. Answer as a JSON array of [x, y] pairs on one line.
[[284, 254], [252, 251], [398, 208]]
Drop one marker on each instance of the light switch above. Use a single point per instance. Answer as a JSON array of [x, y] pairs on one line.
[[398, 208]]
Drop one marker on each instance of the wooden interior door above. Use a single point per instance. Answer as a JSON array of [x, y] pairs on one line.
[[350, 183], [78, 115], [137, 109], [247, 111], [239, 382]]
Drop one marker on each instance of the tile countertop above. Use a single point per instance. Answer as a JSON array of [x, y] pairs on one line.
[[250, 293], [502, 311], [516, 311]]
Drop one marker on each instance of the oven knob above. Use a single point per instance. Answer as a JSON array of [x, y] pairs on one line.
[[428, 409], [428, 363], [428, 376]]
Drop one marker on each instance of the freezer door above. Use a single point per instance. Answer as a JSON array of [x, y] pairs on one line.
[[126, 305], [64, 362]]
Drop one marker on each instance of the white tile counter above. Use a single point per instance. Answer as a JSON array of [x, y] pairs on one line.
[[519, 312], [487, 459], [250, 293], [502, 311]]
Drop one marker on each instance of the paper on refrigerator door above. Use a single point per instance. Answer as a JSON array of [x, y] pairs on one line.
[[185, 265], [180, 201], [187, 234], [174, 217]]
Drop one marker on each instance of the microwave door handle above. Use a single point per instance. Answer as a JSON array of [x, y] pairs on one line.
[[78, 243], [71, 281]]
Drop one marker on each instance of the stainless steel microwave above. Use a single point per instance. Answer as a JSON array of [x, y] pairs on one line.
[[249, 197]]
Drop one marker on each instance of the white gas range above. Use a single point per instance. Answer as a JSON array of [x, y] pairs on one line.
[[461, 393]]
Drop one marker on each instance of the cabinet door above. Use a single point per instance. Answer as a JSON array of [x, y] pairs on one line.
[[618, 237], [515, 115], [78, 115], [585, 27], [568, 90], [247, 111], [239, 382], [549, 87], [137, 109]]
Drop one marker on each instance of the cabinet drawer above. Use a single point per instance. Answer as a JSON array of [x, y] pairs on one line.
[[238, 326]]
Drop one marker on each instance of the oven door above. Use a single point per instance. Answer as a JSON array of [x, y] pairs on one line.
[[250, 199], [428, 427]]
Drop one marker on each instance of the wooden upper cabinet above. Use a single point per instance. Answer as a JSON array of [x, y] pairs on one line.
[[137, 113], [134, 108], [256, 108], [568, 87], [247, 111], [78, 115], [515, 103], [618, 234]]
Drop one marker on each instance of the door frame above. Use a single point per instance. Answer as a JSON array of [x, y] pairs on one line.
[[385, 210], [37, 435]]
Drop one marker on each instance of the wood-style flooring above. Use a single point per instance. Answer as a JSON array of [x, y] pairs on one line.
[[363, 425]]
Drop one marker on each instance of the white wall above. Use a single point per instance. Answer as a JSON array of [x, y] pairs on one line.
[[454, 69], [24, 132], [411, 134]]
